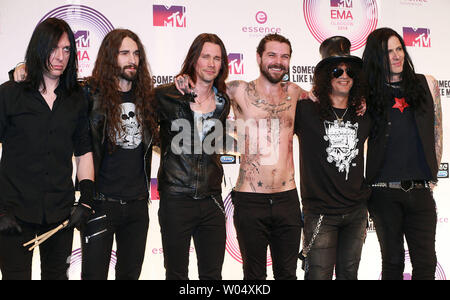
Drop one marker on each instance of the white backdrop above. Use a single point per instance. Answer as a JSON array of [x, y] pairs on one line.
[[167, 28]]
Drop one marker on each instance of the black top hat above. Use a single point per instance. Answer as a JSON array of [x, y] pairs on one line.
[[336, 49]]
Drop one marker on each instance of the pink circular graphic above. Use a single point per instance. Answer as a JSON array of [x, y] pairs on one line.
[[74, 271], [232, 245], [261, 17], [439, 274], [352, 19]]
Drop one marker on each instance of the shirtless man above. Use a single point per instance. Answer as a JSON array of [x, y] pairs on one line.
[[267, 208]]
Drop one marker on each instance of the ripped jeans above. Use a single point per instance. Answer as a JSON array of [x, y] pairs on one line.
[[338, 244]]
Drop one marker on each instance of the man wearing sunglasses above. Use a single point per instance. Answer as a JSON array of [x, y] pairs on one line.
[[333, 192]]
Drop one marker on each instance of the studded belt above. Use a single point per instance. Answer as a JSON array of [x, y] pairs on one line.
[[405, 185]]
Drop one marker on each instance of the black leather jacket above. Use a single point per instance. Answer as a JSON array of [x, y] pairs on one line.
[[195, 175], [98, 121]]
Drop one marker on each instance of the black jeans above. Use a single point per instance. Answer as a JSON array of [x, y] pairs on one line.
[[411, 215], [338, 244], [16, 260], [182, 218], [272, 220], [129, 223]]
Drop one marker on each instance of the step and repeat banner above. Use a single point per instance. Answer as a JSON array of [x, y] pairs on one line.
[[167, 28]]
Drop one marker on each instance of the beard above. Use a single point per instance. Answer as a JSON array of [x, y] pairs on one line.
[[128, 76], [265, 73]]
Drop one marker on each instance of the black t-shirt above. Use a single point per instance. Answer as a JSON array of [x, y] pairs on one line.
[[331, 159], [122, 174], [404, 157]]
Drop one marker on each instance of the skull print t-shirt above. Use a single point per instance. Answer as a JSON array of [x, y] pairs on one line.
[[331, 159], [121, 174]]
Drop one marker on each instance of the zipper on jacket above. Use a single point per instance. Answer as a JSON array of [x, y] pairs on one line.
[[145, 171]]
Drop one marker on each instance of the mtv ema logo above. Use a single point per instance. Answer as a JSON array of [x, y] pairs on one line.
[[352, 19], [417, 37], [341, 3], [173, 16], [236, 63]]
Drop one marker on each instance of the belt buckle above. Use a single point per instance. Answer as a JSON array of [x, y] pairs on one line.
[[411, 185]]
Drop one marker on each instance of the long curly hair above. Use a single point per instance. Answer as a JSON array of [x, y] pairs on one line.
[[378, 74], [105, 80], [322, 89]]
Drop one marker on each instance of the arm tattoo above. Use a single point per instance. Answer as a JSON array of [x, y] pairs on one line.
[[438, 131]]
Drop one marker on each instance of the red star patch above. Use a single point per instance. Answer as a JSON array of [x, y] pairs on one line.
[[401, 104]]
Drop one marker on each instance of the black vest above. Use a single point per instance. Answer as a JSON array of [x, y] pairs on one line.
[[424, 118]]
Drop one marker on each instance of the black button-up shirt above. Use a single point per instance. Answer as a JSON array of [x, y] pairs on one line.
[[37, 148]]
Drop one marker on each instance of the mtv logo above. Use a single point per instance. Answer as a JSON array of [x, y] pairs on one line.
[[341, 3], [417, 37], [236, 63], [173, 16], [82, 38]]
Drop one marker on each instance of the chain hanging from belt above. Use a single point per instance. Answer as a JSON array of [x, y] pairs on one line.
[[304, 253]]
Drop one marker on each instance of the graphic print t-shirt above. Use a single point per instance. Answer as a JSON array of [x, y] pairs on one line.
[[121, 174], [331, 160]]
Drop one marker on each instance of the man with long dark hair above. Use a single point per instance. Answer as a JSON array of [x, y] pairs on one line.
[[332, 137], [123, 130], [43, 123], [404, 154], [190, 174], [123, 127], [264, 111]]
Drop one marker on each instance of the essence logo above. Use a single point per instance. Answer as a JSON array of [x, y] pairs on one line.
[[236, 63], [173, 16], [260, 30], [261, 17], [419, 37], [89, 27], [352, 19]]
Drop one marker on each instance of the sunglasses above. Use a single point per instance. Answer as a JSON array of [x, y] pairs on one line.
[[337, 72]]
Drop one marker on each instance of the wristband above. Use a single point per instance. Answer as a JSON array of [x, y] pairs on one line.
[[87, 192]]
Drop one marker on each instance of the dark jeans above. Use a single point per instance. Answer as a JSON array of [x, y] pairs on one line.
[[129, 223], [411, 215], [183, 218], [272, 220], [338, 244], [16, 260]]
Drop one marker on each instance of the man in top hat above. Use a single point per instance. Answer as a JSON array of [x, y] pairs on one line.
[[333, 191]]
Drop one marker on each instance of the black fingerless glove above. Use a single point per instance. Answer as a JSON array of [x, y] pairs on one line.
[[83, 209], [8, 223]]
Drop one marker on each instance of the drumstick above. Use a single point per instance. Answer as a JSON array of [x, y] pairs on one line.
[[42, 238]]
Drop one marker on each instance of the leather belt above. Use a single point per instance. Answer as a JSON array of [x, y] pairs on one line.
[[101, 197], [405, 185]]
